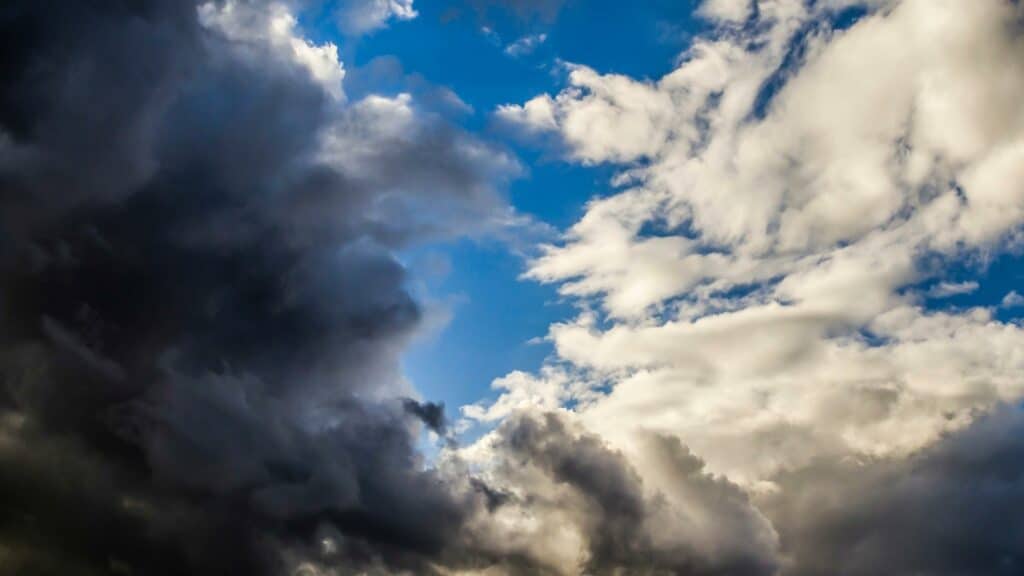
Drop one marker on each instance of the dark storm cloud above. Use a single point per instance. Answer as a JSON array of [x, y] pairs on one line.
[[201, 315], [951, 510], [430, 413]]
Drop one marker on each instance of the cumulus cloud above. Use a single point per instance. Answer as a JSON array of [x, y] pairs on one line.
[[754, 267], [249, 26], [943, 511], [750, 285], [203, 312], [725, 10], [572, 505]]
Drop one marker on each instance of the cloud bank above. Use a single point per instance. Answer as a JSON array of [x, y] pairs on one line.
[[202, 308], [756, 284], [753, 279]]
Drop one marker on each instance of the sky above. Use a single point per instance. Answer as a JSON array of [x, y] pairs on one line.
[[512, 287]]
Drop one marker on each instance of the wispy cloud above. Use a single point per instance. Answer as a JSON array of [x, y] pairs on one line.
[[525, 45], [1012, 300], [947, 289]]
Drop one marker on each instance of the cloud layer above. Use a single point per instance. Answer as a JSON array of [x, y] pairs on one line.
[[764, 283], [754, 280]]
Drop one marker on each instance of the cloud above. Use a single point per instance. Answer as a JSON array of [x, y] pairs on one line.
[[746, 284], [1012, 300], [941, 511], [947, 289], [525, 45], [203, 311], [573, 505], [749, 272], [601, 117], [725, 10], [247, 24], [363, 16]]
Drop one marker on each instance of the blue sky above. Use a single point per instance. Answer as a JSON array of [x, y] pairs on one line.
[[497, 317]]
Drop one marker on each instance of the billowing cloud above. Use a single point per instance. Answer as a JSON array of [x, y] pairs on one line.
[[765, 280], [202, 307], [758, 267], [572, 505], [253, 26], [942, 511]]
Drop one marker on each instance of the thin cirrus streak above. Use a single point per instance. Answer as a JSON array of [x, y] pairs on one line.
[[205, 306]]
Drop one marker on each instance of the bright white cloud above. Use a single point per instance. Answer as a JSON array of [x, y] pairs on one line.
[[601, 117], [362, 138], [726, 10], [1013, 299], [753, 280], [255, 27]]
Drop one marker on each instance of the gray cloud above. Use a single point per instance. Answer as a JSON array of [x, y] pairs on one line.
[[952, 509], [202, 313], [685, 522]]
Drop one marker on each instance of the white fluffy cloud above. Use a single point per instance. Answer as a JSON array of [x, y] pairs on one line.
[[752, 289], [274, 25], [726, 10]]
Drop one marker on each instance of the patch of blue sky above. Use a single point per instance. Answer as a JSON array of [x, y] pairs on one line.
[[971, 283], [496, 316], [453, 45], [494, 327]]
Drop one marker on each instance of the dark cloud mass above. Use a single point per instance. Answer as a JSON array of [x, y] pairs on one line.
[[202, 315], [951, 510]]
